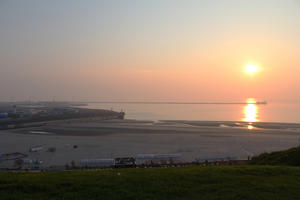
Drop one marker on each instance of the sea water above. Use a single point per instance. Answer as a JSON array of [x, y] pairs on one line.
[[271, 112]]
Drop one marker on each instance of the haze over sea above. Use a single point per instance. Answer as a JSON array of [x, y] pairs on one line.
[[271, 112]]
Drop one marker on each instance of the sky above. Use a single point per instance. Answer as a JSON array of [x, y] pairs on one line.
[[158, 50]]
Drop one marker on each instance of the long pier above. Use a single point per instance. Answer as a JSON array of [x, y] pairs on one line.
[[174, 102]]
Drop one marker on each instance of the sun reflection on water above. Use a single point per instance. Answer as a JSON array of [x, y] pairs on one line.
[[250, 112], [250, 127]]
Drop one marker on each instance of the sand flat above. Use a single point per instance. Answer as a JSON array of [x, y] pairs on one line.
[[118, 138]]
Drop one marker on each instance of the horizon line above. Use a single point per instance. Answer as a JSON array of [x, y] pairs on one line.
[[170, 102]]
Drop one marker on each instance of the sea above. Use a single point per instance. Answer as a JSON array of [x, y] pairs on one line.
[[270, 112]]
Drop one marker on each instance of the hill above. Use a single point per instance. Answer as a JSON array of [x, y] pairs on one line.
[[290, 157]]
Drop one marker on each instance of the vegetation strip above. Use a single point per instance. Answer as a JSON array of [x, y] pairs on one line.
[[219, 182]]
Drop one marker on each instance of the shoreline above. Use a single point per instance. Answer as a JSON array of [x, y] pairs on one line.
[[107, 139]]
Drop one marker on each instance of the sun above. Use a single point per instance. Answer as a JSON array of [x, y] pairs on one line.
[[251, 69]]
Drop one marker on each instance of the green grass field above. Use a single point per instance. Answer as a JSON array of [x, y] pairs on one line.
[[259, 180], [196, 182]]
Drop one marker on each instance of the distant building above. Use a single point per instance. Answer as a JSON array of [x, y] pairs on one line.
[[150, 159], [97, 162], [35, 149], [3, 115]]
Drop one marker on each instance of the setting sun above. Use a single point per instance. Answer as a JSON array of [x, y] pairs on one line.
[[251, 69]]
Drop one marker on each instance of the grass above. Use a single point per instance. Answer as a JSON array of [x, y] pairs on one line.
[[226, 182], [259, 180], [290, 157]]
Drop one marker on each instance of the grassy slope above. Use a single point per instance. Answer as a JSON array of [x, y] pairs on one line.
[[290, 157], [237, 182]]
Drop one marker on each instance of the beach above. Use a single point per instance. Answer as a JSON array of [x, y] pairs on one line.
[[193, 140]]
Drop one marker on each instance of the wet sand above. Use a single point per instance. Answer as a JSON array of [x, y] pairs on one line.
[[120, 138]]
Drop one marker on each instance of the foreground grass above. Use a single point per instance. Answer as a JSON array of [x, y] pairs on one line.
[[235, 182]]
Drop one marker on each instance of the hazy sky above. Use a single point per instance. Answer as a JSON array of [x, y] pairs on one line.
[[152, 50]]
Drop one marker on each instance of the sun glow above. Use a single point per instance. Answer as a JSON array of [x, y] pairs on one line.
[[251, 101], [251, 69], [251, 112]]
